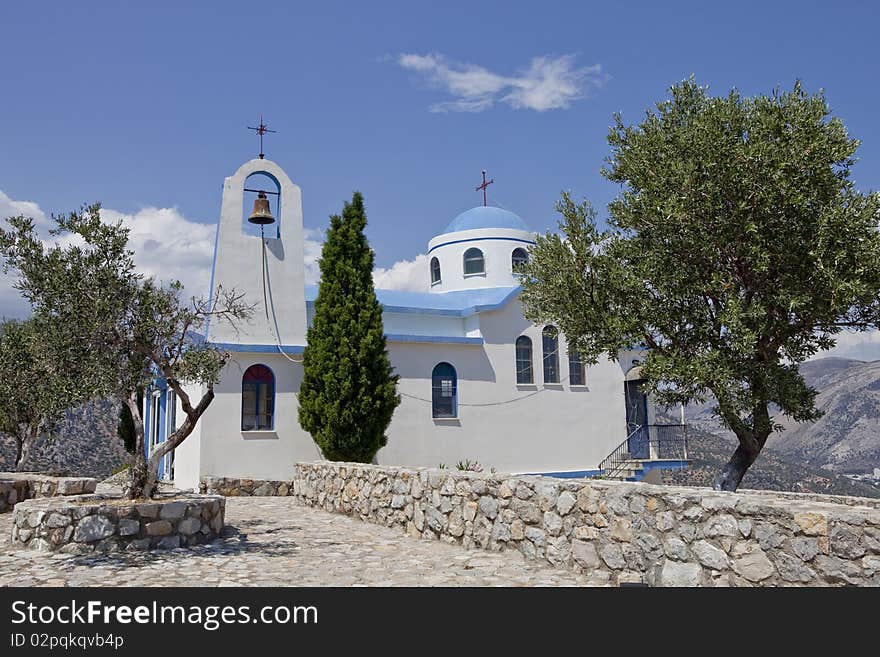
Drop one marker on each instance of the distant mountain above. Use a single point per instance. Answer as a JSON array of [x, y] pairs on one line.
[[846, 439], [772, 471], [85, 444]]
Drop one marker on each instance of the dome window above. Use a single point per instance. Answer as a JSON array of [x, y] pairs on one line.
[[435, 271], [474, 264], [518, 260]]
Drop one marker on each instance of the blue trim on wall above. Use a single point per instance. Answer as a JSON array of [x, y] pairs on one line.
[[258, 348], [391, 337], [482, 239], [574, 474], [409, 310], [458, 303], [466, 311], [463, 312], [647, 466], [439, 339]]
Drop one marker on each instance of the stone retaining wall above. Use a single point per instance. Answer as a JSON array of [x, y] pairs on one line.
[[623, 532], [231, 487], [90, 523], [18, 486]]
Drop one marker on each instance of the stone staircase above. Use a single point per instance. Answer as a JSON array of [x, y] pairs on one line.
[[629, 469], [662, 446]]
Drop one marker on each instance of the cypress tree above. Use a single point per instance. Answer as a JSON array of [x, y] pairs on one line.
[[349, 389]]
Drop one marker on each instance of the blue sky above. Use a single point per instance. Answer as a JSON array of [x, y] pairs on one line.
[[144, 105]]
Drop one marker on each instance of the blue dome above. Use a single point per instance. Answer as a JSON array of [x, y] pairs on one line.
[[486, 217]]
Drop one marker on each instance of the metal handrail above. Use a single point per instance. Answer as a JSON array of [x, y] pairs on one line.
[[664, 446]]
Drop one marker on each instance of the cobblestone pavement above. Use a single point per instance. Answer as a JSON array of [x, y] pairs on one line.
[[272, 541]]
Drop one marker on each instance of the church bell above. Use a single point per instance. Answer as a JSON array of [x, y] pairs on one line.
[[261, 214]]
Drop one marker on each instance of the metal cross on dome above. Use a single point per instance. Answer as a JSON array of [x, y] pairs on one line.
[[484, 186], [261, 130]]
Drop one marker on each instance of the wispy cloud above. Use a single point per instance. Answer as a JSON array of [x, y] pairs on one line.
[[547, 83]]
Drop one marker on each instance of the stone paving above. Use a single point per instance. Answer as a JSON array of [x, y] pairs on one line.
[[272, 541]]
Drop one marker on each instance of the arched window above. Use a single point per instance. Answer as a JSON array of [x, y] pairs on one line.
[[257, 399], [435, 271], [576, 374], [518, 260], [444, 391], [473, 262], [524, 372], [550, 344]]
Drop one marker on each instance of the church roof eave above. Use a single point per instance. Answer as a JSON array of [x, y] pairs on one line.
[[460, 303]]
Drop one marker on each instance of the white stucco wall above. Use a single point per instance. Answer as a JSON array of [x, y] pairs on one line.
[[226, 450], [187, 456], [528, 428], [238, 262], [521, 428]]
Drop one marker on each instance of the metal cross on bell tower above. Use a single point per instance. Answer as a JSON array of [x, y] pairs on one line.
[[484, 186], [261, 130]]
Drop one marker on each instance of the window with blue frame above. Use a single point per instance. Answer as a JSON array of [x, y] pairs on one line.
[[257, 399], [444, 391], [474, 263], [524, 372], [550, 344], [518, 260], [435, 271], [576, 374]]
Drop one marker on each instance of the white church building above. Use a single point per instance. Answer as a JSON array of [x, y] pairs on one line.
[[478, 381]]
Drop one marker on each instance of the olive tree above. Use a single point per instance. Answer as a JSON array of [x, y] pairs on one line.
[[32, 396], [115, 330], [737, 248]]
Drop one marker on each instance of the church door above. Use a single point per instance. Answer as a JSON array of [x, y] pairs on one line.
[[636, 419]]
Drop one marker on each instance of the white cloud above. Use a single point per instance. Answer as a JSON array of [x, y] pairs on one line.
[[11, 208], [166, 245], [409, 275], [11, 303], [313, 240], [863, 345], [548, 83], [170, 246]]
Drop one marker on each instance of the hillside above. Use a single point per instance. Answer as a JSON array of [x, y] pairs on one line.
[[846, 439], [771, 471], [85, 444]]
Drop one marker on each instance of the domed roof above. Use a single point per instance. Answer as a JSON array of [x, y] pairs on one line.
[[486, 217]]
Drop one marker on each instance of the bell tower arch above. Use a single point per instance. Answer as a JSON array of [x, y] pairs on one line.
[[266, 266]]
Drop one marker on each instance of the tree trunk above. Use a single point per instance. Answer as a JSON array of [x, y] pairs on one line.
[[19, 445], [732, 474], [751, 439], [145, 472], [138, 476], [24, 445]]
